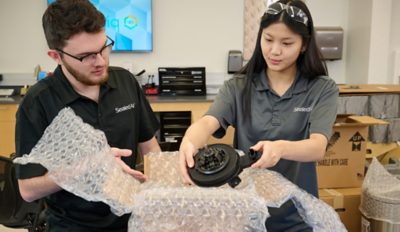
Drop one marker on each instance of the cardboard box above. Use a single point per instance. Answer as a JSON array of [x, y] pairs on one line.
[[379, 150], [344, 161], [393, 154], [346, 202]]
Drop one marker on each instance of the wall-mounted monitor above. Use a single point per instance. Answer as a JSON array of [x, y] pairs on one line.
[[128, 23]]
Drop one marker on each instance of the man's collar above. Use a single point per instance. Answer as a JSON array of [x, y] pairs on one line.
[[111, 80], [63, 87], [67, 92]]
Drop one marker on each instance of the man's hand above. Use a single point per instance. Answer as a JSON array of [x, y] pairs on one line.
[[118, 153]]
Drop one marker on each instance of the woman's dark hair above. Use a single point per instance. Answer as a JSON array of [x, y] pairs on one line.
[[309, 62], [65, 18]]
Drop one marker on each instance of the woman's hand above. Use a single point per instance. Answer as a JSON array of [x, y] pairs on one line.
[[186, 153], [272, 152], [199, 132], [118, 153]]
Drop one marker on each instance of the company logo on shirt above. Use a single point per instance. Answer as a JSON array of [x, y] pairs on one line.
[[124, 108], [302, 109]]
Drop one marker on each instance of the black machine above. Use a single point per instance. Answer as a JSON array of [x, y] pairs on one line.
[[182, 81], [218, 164]]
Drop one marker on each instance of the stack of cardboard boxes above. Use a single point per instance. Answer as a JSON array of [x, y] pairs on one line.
[[341, 172], [378, 101]]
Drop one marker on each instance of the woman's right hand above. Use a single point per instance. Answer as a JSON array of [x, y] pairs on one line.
[[199, 132], [186, 152]]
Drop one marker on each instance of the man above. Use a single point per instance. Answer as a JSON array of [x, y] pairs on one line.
[[108, 98]]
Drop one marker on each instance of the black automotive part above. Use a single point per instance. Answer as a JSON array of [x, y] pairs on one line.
[[218, 164]]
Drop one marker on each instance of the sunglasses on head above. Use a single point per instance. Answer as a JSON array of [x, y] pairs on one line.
[[294, 12]]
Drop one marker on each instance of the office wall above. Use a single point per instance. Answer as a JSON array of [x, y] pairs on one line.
[[22, 43], [394, 52], [358, 41], [332, 14], [373, 27], [186, 33], [378, 68], [192, 33]]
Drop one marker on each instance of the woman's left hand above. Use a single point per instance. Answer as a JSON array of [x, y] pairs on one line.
[[118, 153], [272, 152]]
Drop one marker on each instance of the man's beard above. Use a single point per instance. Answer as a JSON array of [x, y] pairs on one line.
[[85, 79]]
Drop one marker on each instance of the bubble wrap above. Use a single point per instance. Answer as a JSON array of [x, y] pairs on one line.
[[79, 160], [380, 198], [165, 204], [197, 209]]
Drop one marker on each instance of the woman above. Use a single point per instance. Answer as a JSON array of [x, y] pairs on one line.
[[282, 105]]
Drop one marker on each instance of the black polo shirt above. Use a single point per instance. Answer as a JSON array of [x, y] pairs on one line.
[[308, 106], [122, 113]]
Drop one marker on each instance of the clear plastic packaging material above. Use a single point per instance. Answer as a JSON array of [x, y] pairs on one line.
[[272, 186], [162, 170], [244, 208], [380, 198], [276, 190], [79, 159], [198, 209]]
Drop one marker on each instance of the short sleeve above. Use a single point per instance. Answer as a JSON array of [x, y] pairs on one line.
[[323, 114], [224, 107], [28, 131]]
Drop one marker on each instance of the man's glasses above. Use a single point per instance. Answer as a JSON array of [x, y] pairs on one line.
[[90, 58], [294, 12]]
